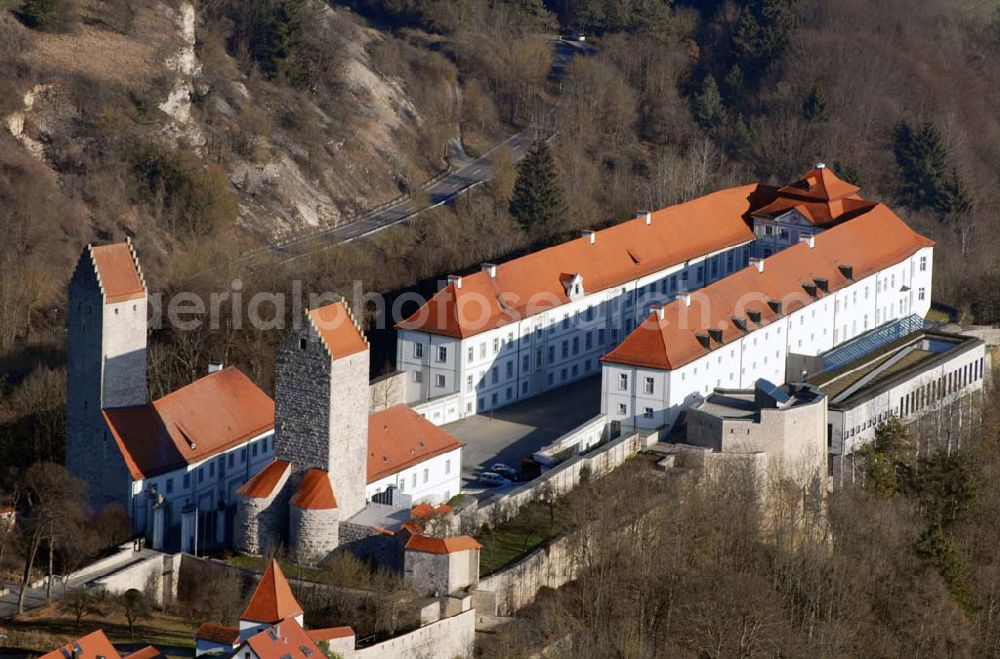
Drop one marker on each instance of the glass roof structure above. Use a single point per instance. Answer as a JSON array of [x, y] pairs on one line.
[[873, 340]]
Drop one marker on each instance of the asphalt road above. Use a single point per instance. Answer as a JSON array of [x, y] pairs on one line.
[[513, 433]]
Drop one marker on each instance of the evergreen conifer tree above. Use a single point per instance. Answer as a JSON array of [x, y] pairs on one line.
[[537, 202]]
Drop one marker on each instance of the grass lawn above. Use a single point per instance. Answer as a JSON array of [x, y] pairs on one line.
[[518, 537], [258, 564], [47, 628]]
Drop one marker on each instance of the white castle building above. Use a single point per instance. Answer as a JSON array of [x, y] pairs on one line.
[[517, 329], [175, 463]]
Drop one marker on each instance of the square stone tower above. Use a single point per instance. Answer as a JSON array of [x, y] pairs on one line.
[[106, 362], [321, 403]]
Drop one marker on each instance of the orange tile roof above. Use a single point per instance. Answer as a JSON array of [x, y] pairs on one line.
[[535, 282], [272, 600], [118, 272], [819, 183], [451, 545], [335, 326], [314, 492], [330, 633], [214, 413], [286, 640], [819, 213], [93, 645], [398, 437], [148, 652], [262, 484], [868, 243], [218, 634]]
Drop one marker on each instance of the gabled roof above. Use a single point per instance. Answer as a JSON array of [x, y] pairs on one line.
[[336, 328], [330, 633], [314, 492], [818, 196], [91, 646], [868, 243], [148, 652], [263, 484], [430, 545], [533, 283], [286, 640], [117, 272], [218, 634], [818, 213], [214, 413], [398, 437], [821, 184], [272, 600]]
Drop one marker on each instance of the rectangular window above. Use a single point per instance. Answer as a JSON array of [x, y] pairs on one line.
[[648, 413], [923, 264], [232, 460], [496, 346], [552, 354], [648, 386], [482, 350], [439, 381], [187, 481], [623, 381], [170, 485], [468, 383], [418, 377], [526, 363], [211, 470], [588, 341], [494, 375], [414, 479], [426, 475], [600, 337], [510, 369], [418, 350], [622, 408], [447, 466], [471, 355], [442, 354], [921, 293], [253, 452], [576, 345], [565, 349]]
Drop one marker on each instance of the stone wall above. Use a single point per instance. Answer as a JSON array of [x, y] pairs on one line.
[[365, 543], [258, 521], [550, 566], [444, 639], [427, 573], [348, 447], [302, 401], [313, 534], [157, 573], [387, 391]]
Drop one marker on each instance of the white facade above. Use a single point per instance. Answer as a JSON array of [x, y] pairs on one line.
[[433, 481], [774, 235], [647, 398], [555, 347], [205, 483]]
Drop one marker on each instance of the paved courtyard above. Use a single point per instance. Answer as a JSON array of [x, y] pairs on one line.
[[513, 433]]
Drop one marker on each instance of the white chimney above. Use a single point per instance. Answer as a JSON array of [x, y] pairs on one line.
[[455, 279], [820, 165], [590, 235], [685, 298], [660, 311], [757, 262], [214, 366], [490, 269], [809, 240], [645, 215]]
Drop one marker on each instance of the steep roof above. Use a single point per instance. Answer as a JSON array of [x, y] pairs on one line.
[[210, 415], [117, 272], [93, 645], [451, 545], [329, 633], [272, 600], [819, 196], [398, 437], [314, 492], [262, 484], [535, 282], [867, 243], [336, 328], [821, 184], [286, 640], [218, 634]]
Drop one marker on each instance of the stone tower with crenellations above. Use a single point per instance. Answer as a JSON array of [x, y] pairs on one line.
[[320, 439], [105, 364]]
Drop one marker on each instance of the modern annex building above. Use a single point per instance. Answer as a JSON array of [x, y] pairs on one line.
[[517, 329]]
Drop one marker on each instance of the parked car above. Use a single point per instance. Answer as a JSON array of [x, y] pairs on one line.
[[490, 479], [504, 470]]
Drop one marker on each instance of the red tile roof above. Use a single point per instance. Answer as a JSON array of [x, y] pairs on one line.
[[871, 242], [262, 484], [218, 634], [426, 511], [451, 545], [819, 183], [819, 196], [148, 652], [314, 492], [398, 437], [335, 326], [330, 633], [118, 272], [93, 645], [535, 282], [286, 640], [219, 411], [272, 600]]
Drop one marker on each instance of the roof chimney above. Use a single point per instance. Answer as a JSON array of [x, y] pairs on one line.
[[455, 279], [214, 366], [645, 215], [590, 235], [757, 262], [659, 309], [685, 298], [820, 165], [490, 269], [809, 240]]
